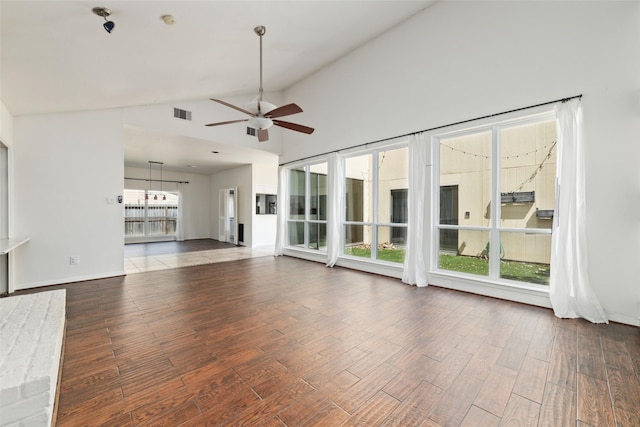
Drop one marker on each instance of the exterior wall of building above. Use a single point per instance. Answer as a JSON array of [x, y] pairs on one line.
[[527, 164], [392, 175]]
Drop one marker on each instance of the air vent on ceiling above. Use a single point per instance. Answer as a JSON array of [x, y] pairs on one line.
[[251, 131], [181, 114]]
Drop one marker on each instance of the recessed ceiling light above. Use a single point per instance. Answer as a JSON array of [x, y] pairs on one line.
[[215, 152], [168, 19]]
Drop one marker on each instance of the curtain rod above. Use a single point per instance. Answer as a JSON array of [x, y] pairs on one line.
[[156, 180], [438, 127]]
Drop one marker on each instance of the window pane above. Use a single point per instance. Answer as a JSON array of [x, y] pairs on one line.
[[296, 234], [527, 175], [359, 196], [389, 250], [358, 240], [399, 206], [162, 210], [525, 257], [471, 255], [317, 236], [133, 227], [318, 192], [465, 180], [134, 212], [152, 216], [296, 193], [393, 181]]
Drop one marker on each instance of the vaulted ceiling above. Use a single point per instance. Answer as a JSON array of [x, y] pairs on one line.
[[56, 56]]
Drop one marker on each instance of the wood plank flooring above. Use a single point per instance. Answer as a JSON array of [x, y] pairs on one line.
[[285, 342], [174, 247]]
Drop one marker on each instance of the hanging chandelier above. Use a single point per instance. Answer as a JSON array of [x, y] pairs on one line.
[[155, 196]]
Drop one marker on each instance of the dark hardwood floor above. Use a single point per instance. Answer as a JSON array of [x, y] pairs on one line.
[[173, 247], [285, 342]]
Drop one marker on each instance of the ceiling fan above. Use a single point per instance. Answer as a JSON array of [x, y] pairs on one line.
[[263, 114]]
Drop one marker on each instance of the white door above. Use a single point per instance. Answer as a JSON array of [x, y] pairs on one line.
[[233, 215], [223, 224], [227, 216]]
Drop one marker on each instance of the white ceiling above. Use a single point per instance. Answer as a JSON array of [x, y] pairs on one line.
[[56, 57]]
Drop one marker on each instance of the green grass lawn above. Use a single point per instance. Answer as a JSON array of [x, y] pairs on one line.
[[392, 255], [512, 270]]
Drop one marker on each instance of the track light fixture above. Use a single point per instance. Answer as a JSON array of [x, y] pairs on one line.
[[104, 12]]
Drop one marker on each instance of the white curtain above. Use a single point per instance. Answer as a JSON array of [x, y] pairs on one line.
[[415, 271], [569, 289], [283, 194], [180, 219], [334, 208]]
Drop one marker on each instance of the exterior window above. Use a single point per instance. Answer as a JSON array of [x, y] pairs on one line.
[[505, 172], [376, 205], [307, 217], [155, 215]]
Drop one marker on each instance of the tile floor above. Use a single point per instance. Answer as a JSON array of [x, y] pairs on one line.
[[140, 264]]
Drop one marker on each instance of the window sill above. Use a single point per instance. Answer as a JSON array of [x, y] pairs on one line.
[[524, 293], [520, 292], [308, 254], [369, 266]]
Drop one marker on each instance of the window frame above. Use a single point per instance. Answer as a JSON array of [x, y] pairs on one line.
[[306, 221], [494, 228], [146, 218], [374, 223]]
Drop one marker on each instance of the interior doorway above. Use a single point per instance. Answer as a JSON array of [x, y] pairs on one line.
[[227, 222]]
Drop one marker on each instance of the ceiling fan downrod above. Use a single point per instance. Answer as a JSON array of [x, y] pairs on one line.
[[260, 30], [262, 121]]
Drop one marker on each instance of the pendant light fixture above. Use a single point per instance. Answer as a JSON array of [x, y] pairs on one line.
[[164, 196], [146, 196], [155, 196]]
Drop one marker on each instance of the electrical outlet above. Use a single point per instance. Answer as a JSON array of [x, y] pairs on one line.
[[74, 260]]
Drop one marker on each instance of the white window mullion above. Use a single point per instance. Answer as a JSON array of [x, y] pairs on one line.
[[494, 235], [307, 204], [145, 227], [374, 191], [435, 205]]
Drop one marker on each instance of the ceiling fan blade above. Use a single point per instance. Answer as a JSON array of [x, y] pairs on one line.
[[219, 101], [294, 126], [226, 123], [285, 110], [263, 135]]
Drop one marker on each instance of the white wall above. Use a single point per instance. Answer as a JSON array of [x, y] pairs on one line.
[[6, 194], [240, 177], [265, 181], [196, 197], [66, 168], [6, 191], [6, 125], [460, 60]]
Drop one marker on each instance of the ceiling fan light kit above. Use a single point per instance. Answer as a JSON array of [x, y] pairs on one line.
[[260, 122], [263, 113]]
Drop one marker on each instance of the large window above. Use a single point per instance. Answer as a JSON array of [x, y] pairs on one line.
[[307, 216], [496, 199], [150, 213], [375, 225]]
